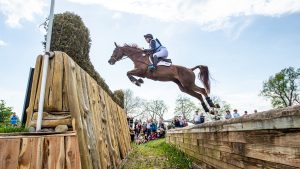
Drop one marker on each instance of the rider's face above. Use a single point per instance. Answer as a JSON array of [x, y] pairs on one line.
[[147, 40]]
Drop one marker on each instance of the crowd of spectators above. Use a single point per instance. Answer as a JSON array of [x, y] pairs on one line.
[[216, 115], [142, 132], [148, 130], [179, 121]]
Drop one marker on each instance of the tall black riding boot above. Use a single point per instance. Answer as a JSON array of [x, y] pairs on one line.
[[155, 60]]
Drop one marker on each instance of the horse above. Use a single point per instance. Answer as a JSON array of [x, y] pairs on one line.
[[182, 76]]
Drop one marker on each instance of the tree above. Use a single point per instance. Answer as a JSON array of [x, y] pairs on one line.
[[5, 113], [133, 106], [155, 108], [282, 88], [224, 106], [184, 107], [70, 35], [119, 94]]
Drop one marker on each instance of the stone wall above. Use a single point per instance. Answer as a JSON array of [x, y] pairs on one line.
[[268, 139]]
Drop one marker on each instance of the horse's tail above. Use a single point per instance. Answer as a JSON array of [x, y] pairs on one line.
[[203, 76]]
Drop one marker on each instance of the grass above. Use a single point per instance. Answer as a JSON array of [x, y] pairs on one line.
[[157, 154], [11, 129]]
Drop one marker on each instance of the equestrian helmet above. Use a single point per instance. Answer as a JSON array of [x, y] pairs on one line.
[[148, 36]]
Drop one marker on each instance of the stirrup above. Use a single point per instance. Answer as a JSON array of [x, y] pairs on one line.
[[151, 67]]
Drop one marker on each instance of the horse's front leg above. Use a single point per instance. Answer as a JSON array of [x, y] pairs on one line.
[[136, 72]]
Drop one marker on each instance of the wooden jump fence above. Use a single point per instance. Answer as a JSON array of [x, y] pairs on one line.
[[269, 139], [73, 98], [37, 151]]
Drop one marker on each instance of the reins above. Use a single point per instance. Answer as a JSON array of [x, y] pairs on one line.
[[137, 60]]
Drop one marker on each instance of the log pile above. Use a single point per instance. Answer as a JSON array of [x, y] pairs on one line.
[[74, 98], [263, 140]]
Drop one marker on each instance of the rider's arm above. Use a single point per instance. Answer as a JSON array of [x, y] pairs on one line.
[[152, 45]]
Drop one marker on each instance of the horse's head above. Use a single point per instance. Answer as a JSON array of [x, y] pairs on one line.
[[117, 55]]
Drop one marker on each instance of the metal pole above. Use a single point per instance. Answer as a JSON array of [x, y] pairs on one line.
[[45, 68]]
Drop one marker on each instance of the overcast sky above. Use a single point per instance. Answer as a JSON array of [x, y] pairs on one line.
[[243, 42]]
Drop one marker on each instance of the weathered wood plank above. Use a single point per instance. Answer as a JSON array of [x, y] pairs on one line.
[[95, 118], [48, 103], [54, 85], [57, 100], [31, 155], [53, 123], [55, 152], [48, 116], [34, 87], [36, 102], [75, 112], [9, 153], [88, 126], [72, 153], [65, 102]]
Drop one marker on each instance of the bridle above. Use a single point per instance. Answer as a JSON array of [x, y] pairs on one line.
[[127, 57]]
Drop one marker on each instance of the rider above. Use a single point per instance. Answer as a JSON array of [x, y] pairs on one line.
[[155, 48]]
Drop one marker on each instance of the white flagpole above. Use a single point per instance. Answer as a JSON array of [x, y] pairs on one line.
[[45, 68]]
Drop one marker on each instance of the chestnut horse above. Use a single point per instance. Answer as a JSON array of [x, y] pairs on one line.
[[183, 77]]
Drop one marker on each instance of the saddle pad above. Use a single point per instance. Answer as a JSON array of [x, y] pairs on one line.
[[161, 62]]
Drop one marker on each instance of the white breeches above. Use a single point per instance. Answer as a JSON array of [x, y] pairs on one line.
[[163, 53]]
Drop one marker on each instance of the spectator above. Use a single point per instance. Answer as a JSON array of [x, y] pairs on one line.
[[161, 129], [245, 113], [149, 122], [202, 118], [228, 115], [196, 119], [152, 136], [255, 111], [217, 116], [185, 122], [14, 119], [176, 122], [153, 126], [144, 128], [141, 139], [181, 122], [236, 114], [138, 129]]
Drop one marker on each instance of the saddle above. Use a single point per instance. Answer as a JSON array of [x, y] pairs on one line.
[[161, 61], [165, 60]]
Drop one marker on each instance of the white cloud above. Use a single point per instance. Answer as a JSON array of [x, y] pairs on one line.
[[209, 14], [2, 43], [16, 11], [117, 16]]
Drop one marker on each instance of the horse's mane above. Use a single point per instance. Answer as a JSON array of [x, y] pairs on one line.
[[135, 46]]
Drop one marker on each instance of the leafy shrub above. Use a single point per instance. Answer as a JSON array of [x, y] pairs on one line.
[[70, 35]]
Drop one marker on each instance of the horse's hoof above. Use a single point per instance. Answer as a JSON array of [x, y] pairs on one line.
[[210, 103], [137, 83], [140, 80]]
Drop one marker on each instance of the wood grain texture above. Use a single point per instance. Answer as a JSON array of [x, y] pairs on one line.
[[74, 98], [33, 94]]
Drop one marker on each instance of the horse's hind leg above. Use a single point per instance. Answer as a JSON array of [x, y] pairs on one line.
[[192, 93], [207, 98]]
